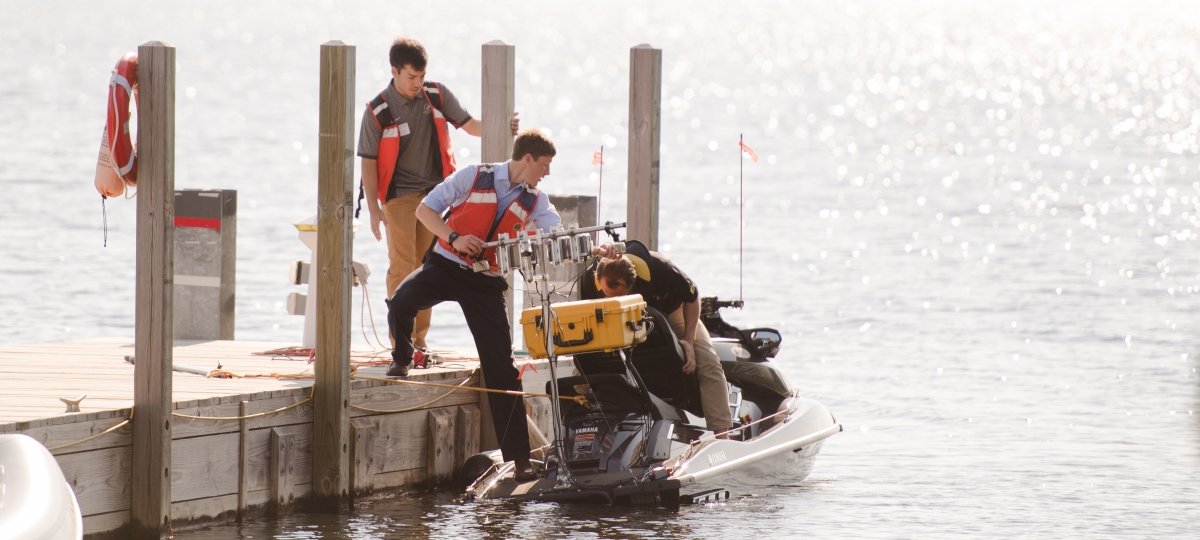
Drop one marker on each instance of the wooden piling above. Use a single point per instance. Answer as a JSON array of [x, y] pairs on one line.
[[440, 445], [645, 103], [363, 449], [151, 475], [282, 478], [243, 457], [331, 413], [499, 98], [468, 432]]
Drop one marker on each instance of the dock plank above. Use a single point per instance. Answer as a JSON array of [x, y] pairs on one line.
[[34, 376]]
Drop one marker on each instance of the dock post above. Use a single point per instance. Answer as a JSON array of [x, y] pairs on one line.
[[645, 104], [335, 208], [150, 501], [499, 100]]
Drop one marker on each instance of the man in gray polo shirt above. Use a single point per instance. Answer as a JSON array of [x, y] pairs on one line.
[[404, 144]]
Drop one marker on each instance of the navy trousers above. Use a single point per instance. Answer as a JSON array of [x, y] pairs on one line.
[[481, 298]]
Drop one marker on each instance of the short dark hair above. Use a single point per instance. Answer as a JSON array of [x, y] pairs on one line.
[[617, 270], [534, 142], [408, 52]]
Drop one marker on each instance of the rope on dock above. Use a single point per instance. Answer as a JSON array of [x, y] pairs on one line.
[[227, 374], [120, 425], [248, 416], [577, 399], [451, 390]]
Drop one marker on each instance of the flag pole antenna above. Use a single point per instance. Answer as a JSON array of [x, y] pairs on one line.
[[741, 210]]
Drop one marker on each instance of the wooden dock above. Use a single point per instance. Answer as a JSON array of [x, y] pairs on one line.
[[200, 447], [237, 443]]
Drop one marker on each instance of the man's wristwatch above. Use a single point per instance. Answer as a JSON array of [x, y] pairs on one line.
[[450, 239]]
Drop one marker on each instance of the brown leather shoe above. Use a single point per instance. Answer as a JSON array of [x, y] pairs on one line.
[[523, 471], [397, 370]]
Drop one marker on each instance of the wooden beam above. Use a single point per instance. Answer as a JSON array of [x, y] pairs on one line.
[[153, 334], [468, 433], [499, 101], [440, 444], [363, 479], [645, 103], [243, 458], [331, 413], [282, 478]]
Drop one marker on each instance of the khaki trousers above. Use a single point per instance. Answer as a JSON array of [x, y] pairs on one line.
[[407, 241], [714, 394]]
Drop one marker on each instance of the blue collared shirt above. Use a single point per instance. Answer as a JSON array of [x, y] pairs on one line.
[[454, 190]]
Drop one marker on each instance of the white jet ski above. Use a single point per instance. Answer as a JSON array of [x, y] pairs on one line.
[[634, 440]]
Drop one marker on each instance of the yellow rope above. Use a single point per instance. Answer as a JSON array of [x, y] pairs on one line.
[[451, 389], [226, 374], [577, 399], [415, 407], [246, 417], [221, 373], [98, 435]]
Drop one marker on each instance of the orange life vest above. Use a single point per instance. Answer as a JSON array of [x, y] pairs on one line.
[[477, 214], [389, 143]]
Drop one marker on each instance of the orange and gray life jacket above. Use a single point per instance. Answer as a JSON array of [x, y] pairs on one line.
[[477, 214], [389, 142]]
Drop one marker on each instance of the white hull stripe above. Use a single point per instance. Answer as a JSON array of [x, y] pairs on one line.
[[198, 281]]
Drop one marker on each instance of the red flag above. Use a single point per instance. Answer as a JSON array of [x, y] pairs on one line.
[[749, 151], [597, 158]]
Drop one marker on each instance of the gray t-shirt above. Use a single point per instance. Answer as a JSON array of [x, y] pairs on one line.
[[418, 165]]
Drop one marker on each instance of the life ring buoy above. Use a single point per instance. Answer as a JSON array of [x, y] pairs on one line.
[[116, 167]]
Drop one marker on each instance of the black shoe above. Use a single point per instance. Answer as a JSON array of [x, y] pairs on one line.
[[397, 370], [523, 471]]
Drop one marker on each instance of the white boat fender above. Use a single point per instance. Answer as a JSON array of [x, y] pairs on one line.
[[36, 502]]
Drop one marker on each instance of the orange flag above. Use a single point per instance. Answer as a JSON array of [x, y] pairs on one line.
[[749, 151], [597, 158]]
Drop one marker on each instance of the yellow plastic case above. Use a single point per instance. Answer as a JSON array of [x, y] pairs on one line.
[[605, 324]]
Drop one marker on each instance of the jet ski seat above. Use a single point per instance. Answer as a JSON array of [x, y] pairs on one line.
[[612, 394], [658, 360]]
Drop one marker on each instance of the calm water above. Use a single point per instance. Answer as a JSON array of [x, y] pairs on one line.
[[976, 227]]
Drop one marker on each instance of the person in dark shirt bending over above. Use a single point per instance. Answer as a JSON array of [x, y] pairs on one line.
[[666, 288]]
